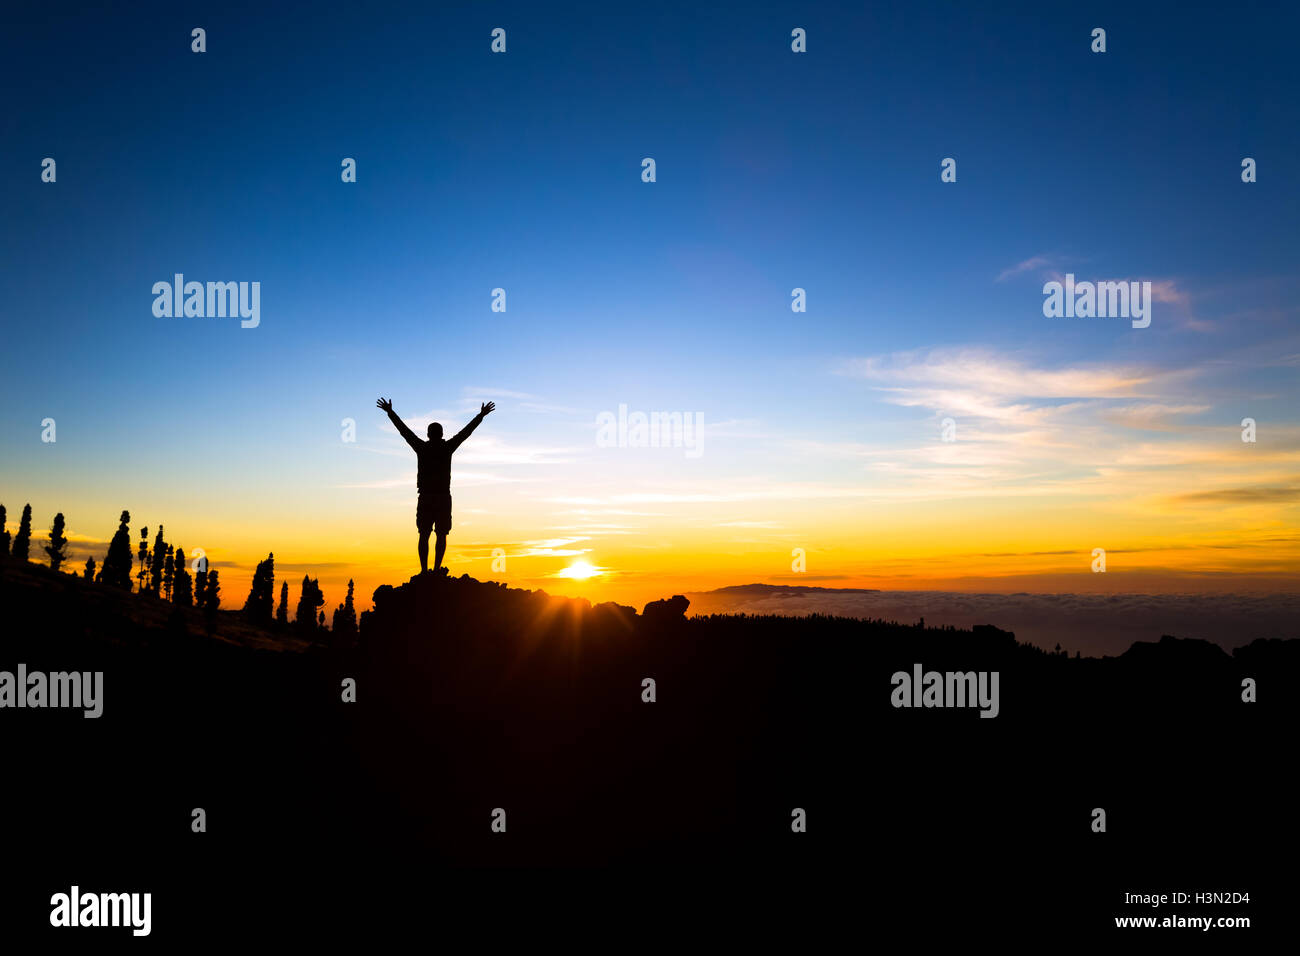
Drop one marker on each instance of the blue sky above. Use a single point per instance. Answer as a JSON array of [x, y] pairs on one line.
[[522, 171]]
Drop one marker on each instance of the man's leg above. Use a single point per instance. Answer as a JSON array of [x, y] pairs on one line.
[[440, 546], [424, 550]]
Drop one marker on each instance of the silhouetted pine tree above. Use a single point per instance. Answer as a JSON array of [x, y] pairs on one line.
[[23, 540], [212, 595], [143, 555], [345, 619], [310, 600], [57, 549], [261, 596], [116, 569], [4, 535], [89, 573], [282, 612], [182, 587], [200, 584], [158, 561], [169, 568]]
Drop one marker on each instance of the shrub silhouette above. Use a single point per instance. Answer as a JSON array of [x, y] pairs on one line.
[[116, 569], [23, 540], [89, 573], [57, 549], [257, 609], [4, 535]]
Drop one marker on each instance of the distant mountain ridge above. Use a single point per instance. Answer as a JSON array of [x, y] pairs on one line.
[[783, 589], [1095, 624]]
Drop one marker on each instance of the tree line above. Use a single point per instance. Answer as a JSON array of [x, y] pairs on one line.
[[164, 572]]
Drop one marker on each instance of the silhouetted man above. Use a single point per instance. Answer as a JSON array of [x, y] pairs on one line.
[[433, 512]]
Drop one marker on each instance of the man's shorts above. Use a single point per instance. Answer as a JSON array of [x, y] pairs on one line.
[[433, 511]]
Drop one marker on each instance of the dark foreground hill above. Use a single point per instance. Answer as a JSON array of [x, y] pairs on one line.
[[473, 698]]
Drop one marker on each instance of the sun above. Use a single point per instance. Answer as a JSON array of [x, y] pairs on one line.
[[580, 571]]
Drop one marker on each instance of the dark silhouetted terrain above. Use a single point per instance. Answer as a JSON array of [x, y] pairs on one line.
[[473, 696]]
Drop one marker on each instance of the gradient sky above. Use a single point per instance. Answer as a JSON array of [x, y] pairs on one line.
[[775, 171]]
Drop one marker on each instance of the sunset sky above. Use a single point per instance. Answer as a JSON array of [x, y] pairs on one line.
[[775, 170]]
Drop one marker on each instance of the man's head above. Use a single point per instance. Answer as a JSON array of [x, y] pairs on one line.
[[435, 431]]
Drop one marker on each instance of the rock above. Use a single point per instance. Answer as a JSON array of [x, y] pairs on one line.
[[666, 612]]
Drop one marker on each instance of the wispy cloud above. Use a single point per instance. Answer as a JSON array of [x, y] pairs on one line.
[[1031, 264], [491, 394], [492, 450], [1153, 416], [463, 479], [981, 381], [1288, 493], [1166, 291], [553, 409], [1073, 428]]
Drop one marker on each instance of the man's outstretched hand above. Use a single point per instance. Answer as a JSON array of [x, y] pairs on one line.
[[385, 403], [487, 407]]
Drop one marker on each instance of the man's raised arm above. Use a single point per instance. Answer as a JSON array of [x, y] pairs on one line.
[[465, 432], [387, 405]]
